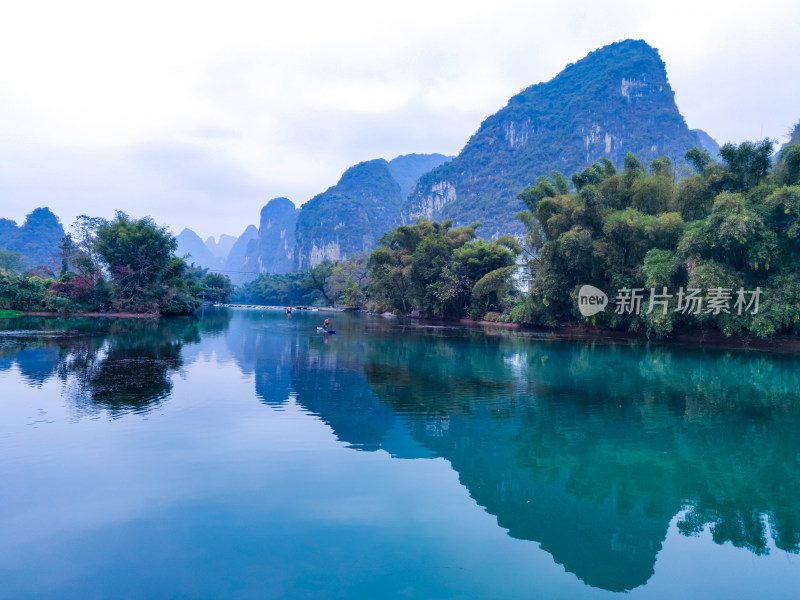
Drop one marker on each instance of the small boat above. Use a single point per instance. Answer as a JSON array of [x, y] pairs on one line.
[[322, 329]]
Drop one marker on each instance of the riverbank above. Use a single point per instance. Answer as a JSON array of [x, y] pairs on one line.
[[717, 339], [114, 315], [706, 339], [711, 339]]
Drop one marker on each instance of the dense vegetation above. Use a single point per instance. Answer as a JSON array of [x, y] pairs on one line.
[[735, 224], [125, 265], [730, 225], [340, 283], [349, 216], [616, 99], [433, 268], [441, 270], [32, 245]]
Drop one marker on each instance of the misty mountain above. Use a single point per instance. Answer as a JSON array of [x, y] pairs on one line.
[[240, 265], [795, 137], [276, 236], [221, 248], [614, 101], [706, 142], [408, 168], [37, 240], [190, 244]]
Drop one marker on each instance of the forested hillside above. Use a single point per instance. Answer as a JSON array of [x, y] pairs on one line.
[[35, 242], [614, 101]]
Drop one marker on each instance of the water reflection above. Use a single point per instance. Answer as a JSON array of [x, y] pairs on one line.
[[589, 450], [592, 450], [111, 365]]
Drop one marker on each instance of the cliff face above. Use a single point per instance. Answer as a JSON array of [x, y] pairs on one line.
[[614, 101], [270, 248], [240, 265], [37, 240], [350, 216], [276, 236]]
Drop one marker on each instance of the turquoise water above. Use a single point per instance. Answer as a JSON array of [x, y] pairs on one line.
[[243, 455]]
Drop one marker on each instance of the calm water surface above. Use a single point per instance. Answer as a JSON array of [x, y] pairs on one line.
[[243, 455]]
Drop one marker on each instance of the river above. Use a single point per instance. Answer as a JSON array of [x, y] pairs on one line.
[[245, 455]]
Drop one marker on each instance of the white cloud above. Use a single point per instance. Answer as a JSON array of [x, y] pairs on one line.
[[198, 112]]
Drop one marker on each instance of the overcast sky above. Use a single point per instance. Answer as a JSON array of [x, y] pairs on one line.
[[197, 113]]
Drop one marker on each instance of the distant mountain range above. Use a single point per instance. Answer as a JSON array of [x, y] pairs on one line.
[[348, 217], [198, 251], [221, 248], [615, 100]]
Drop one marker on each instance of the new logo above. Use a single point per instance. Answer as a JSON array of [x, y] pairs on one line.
[[591, 300]]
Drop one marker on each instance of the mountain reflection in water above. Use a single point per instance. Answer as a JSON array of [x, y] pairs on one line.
[[588, 449]]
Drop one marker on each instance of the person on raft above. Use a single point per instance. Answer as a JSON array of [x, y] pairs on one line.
[[289, 311], [325, 326]]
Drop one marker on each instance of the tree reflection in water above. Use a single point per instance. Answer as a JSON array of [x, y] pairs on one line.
[[590, 450], [116, 365]]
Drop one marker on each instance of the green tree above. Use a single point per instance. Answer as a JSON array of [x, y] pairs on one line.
[[139, 256], [787, 170], [698, 158], [21, 292], [271, 289], [489, 290], [662, 166], [733, 225], [693, 200], [216, 287], [11, 261], [316, 280], [389, 277], [351, 270], [353, 295], [746, 164], [84, 232], [415, 267], [654, 194]]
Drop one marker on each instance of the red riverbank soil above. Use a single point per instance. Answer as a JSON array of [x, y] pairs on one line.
[[116, 315]]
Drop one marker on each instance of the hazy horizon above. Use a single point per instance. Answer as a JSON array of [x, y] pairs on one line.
[[197, 115]]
